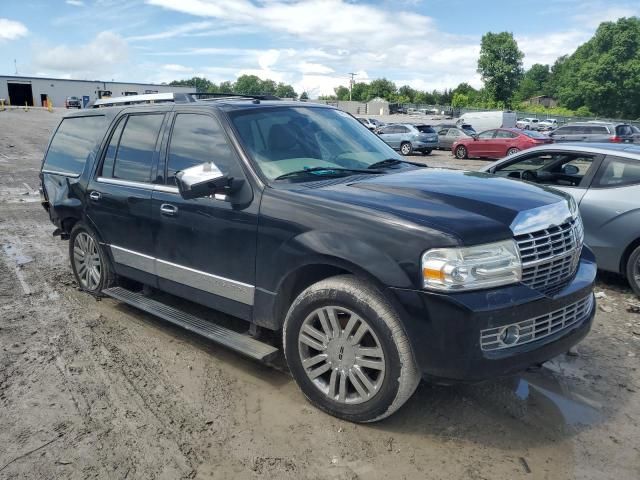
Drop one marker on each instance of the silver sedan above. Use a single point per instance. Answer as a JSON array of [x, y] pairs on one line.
[[604, 180]]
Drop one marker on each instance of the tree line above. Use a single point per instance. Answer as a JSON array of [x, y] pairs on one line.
[[245, 85], [602, 77]]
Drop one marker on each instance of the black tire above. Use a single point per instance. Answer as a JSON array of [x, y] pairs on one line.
[[106, 276], [427, 152], [461, 152], [633, 270], [398, 379], [406, 148]]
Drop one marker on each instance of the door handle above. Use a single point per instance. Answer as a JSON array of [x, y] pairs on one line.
[[168, 209], [95, 196]]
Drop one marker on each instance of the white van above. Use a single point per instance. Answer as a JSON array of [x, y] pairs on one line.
[[482, 121]]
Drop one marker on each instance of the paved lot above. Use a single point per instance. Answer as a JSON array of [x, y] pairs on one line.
[[94, 389]]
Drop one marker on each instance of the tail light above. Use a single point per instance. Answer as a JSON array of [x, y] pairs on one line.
[[615, 139]]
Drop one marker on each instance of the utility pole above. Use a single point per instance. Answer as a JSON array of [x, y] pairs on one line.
[[351, 84], [15, 64]]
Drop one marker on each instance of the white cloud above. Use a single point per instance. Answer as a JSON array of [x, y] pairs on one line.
[[173, 32], [173, 67], [309, 67], [107, 51], [10, 29], [546, 48], [75, 3]]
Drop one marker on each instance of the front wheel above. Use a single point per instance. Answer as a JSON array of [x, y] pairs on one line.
[[633, 271], [461, 152], [89, 262], [406, 148], [347, 350]]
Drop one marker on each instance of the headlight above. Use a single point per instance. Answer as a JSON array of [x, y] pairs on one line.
[[472, 268]]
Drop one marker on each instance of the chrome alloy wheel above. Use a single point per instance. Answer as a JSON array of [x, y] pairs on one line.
[[86, 260], [405, 149], [341, 355], [636, 271]]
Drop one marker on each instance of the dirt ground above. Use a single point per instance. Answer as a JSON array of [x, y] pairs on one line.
[[94, 389]]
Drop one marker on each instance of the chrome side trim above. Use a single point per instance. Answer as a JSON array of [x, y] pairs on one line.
[[125, 183], [133, 259], [67, 174], [166, 189], [224, 287]]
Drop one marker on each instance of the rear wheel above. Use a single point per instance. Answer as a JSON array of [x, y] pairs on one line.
[[406, 148], [347, 350], [461, 152], [512, 151], [89, 262], [633, 271]]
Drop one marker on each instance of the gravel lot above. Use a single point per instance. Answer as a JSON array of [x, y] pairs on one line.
[[94, 389]]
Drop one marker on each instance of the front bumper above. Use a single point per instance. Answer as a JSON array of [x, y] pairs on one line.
[[445, 329]]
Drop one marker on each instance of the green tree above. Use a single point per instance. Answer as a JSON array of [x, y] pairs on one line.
[[342, 92], [381, 87], [199, 84], [285, 91], [268, 87], [248, 85], [534, 82], [460, 100], [226, 87], [359, 92], [500, 65], [407, 94], [603, 74], [304, 96]]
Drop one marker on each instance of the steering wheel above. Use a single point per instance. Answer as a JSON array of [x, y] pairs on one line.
[[529, 176]]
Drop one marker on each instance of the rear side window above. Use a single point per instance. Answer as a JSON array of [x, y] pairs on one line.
[[425, 129], [505, 134], [73, 143], [618, 172], [624, 130], [198, 139], [134, 157]]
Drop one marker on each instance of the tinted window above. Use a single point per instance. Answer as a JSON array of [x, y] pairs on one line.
[[624, 130], [425, 129], [487, 134], [137, 147], [597, 130], [197, 139], [74, 142], [533, 134], [565, 131], [110, 155], [617, 172], [505, 134], [401, 129]]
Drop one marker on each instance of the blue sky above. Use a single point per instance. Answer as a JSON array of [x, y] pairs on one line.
[[312, 44]]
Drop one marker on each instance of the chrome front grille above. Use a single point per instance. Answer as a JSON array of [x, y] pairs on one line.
[[550, 256], [535, 328]]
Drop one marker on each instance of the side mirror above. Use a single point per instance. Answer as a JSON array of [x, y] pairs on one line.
[[201, 181]]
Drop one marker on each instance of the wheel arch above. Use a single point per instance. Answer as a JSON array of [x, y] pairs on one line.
[[626, 254]]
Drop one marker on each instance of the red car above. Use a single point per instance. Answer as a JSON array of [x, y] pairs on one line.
[[498, 143]]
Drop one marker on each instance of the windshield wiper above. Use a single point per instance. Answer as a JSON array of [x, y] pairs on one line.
[[389, 162], [329, 171]]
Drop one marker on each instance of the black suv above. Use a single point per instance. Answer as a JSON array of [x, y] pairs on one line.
[[294, 217]]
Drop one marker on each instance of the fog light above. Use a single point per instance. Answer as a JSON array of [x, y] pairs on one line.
[[510, 335]]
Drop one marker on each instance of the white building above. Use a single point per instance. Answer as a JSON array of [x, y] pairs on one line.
[[35, 91]]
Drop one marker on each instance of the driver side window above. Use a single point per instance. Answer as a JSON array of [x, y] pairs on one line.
[[487, 135], [562, 169]]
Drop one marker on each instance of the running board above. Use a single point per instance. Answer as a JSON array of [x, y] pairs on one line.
[[236, 341]]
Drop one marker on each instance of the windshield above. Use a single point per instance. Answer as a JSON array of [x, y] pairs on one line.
[[533, 134], [282, 140]]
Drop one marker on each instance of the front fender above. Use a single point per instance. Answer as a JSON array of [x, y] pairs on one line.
[[338, 249]]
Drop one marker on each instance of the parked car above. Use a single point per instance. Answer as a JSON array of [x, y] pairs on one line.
[[636, 134], [547, 124], [482, 121], [594, 132], [375, 271], [73, 102], [528, 123], [498, 143], [367, 123], [449, 135], [409, 138], [604, 180]]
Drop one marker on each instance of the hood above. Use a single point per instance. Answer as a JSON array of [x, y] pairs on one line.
[[472, 206]]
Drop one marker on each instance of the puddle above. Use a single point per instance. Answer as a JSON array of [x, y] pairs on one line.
[[16, 255], [551, 397]]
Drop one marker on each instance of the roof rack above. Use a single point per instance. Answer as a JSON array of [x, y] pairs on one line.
[[153, 98]]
